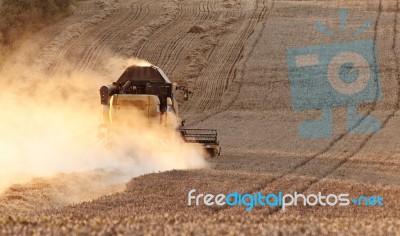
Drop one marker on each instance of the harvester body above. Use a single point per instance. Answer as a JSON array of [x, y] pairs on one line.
[[146, 92]]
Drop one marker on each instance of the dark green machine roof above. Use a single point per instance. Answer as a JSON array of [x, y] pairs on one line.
[[143, 73]]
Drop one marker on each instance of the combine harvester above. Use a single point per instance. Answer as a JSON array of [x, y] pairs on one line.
[[147, 91]]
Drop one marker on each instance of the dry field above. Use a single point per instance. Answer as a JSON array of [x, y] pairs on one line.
[[231, 53]]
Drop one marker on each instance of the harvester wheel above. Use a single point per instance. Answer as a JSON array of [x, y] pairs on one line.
[[211, 153]]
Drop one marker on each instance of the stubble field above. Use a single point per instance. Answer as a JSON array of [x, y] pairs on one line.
[[231, 54]]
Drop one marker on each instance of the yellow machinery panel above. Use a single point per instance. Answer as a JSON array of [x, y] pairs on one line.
[[130, 108]]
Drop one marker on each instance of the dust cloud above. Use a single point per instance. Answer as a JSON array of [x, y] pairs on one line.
[[50, 125]]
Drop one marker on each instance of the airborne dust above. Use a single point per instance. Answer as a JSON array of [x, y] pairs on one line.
[[49, 125]]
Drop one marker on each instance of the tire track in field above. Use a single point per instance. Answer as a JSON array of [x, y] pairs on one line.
[[112, 33], [89, 7], [142, 44], [172, 44], [166, 53], [55, 50], [168, 46], [211, 91], [363, 142], [278, 178], [83, 53], [341, 137], [84, 11], [151, 45], [345, 134], [117, 29], [189, 39], [235, 73], [388, 118], [212, 96], [222, 70]]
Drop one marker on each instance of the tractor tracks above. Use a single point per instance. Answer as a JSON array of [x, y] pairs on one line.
[[140, 36], [209, 103], [384, 122], [174, 44], [228, 66], [84, 53], [82, 47], [121, 34], [168, 46], [332, 145], [364, 141], [336, 141], [54, 51]]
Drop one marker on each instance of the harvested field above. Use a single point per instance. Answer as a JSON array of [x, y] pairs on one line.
[[232, 56]]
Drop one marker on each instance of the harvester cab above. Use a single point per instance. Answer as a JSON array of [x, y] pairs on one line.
[[146, 91]]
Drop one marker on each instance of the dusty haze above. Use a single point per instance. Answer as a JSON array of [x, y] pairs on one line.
[[50, 125]]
